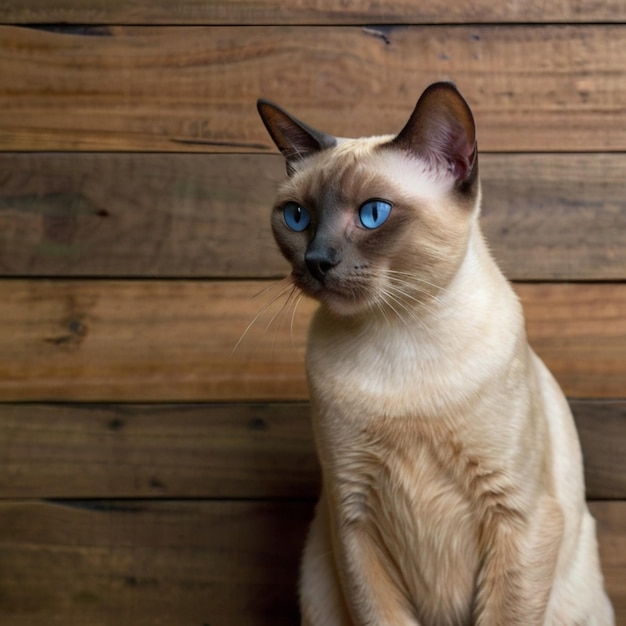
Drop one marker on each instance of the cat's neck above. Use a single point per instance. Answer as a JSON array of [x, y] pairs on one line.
[[460, 338]]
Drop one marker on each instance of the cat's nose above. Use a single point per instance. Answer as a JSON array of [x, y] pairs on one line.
[[319, 263]]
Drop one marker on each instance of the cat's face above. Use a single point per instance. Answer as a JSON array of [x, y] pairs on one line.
[[371, 224]]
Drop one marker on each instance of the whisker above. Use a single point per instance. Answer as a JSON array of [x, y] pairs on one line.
[[406, 286], [392, 274], [423, 303], [285, 280], [293, 316], [393, 294], [287, 285], [389, 300], [280, 314]]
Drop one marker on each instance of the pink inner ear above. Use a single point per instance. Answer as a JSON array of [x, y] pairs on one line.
[[456, 148], [296, 143], [441, 129]]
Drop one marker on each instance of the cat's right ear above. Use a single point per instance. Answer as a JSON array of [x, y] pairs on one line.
[[295, 139]]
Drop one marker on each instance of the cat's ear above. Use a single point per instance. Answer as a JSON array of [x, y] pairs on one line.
[[295, 139], [441, 129]]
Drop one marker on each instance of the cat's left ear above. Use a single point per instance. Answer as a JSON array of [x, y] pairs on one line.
[[441, 129], [295, 139]]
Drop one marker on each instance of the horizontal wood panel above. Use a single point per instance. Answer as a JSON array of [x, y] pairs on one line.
[[162, 451], [219, 563], [133, 563], [216, 450], [305, 12], [116, 340], [578, 331], [554, 88], [546, 216], [187, 340], [149, 340], [126, 215]]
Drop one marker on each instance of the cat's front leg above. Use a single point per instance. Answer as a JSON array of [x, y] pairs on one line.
[[372, 586], [331, 579], [321, 596], [519, 565], [373, 593]]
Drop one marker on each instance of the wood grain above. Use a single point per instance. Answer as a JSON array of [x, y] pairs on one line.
[[150, 215], [556, 216], [175, 340], [132, 563], [552, 88], [134, 172], [219, 563], [602, 431], [305, 12], [215, 450], [159, 451], [576, 330], [546, 216]]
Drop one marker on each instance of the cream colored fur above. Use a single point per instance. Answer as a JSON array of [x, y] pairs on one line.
[[453, 486]]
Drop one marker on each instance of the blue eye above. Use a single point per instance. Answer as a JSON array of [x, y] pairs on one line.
[[374, 213], [296, 217]]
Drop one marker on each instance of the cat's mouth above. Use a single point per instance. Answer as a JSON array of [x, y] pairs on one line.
[[344, 297]]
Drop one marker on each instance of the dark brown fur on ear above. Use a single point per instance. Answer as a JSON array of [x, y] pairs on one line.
[[295, 139], [441, 129]]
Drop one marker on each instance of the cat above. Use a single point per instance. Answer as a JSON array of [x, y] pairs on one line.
[[452, 481]]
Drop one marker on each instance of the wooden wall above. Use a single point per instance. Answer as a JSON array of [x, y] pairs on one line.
[[151, 473]]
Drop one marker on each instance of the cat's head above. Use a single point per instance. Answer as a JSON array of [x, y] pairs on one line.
[[379, 223]]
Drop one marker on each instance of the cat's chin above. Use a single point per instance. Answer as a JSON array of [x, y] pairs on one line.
[[334, 296], [340, 303]]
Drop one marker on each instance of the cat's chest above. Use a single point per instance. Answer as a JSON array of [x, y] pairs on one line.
[[401, 435], [398, 484]]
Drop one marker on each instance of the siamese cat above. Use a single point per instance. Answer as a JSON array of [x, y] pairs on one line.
[[453, 486]]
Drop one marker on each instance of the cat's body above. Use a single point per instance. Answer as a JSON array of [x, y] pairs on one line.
[[452, 477]]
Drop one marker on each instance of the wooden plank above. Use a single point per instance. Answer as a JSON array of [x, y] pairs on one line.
[[149, 340], [164, 451], [305, 12], [547, 216], [158, 215], [215, 450], [550, 217], [131, 563], [220, 563], [180, 340], [559, 88], [602, 431], [577, 330]]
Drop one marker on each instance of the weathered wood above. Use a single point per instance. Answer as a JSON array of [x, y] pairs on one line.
[[214, 451], [549, 217], [133, 563], [178, 340], [546, 216], [578, 331], [163, 451], [558, 88], [221, 563], [602, 431], [150, 340], [159, 215], [306, 12]]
